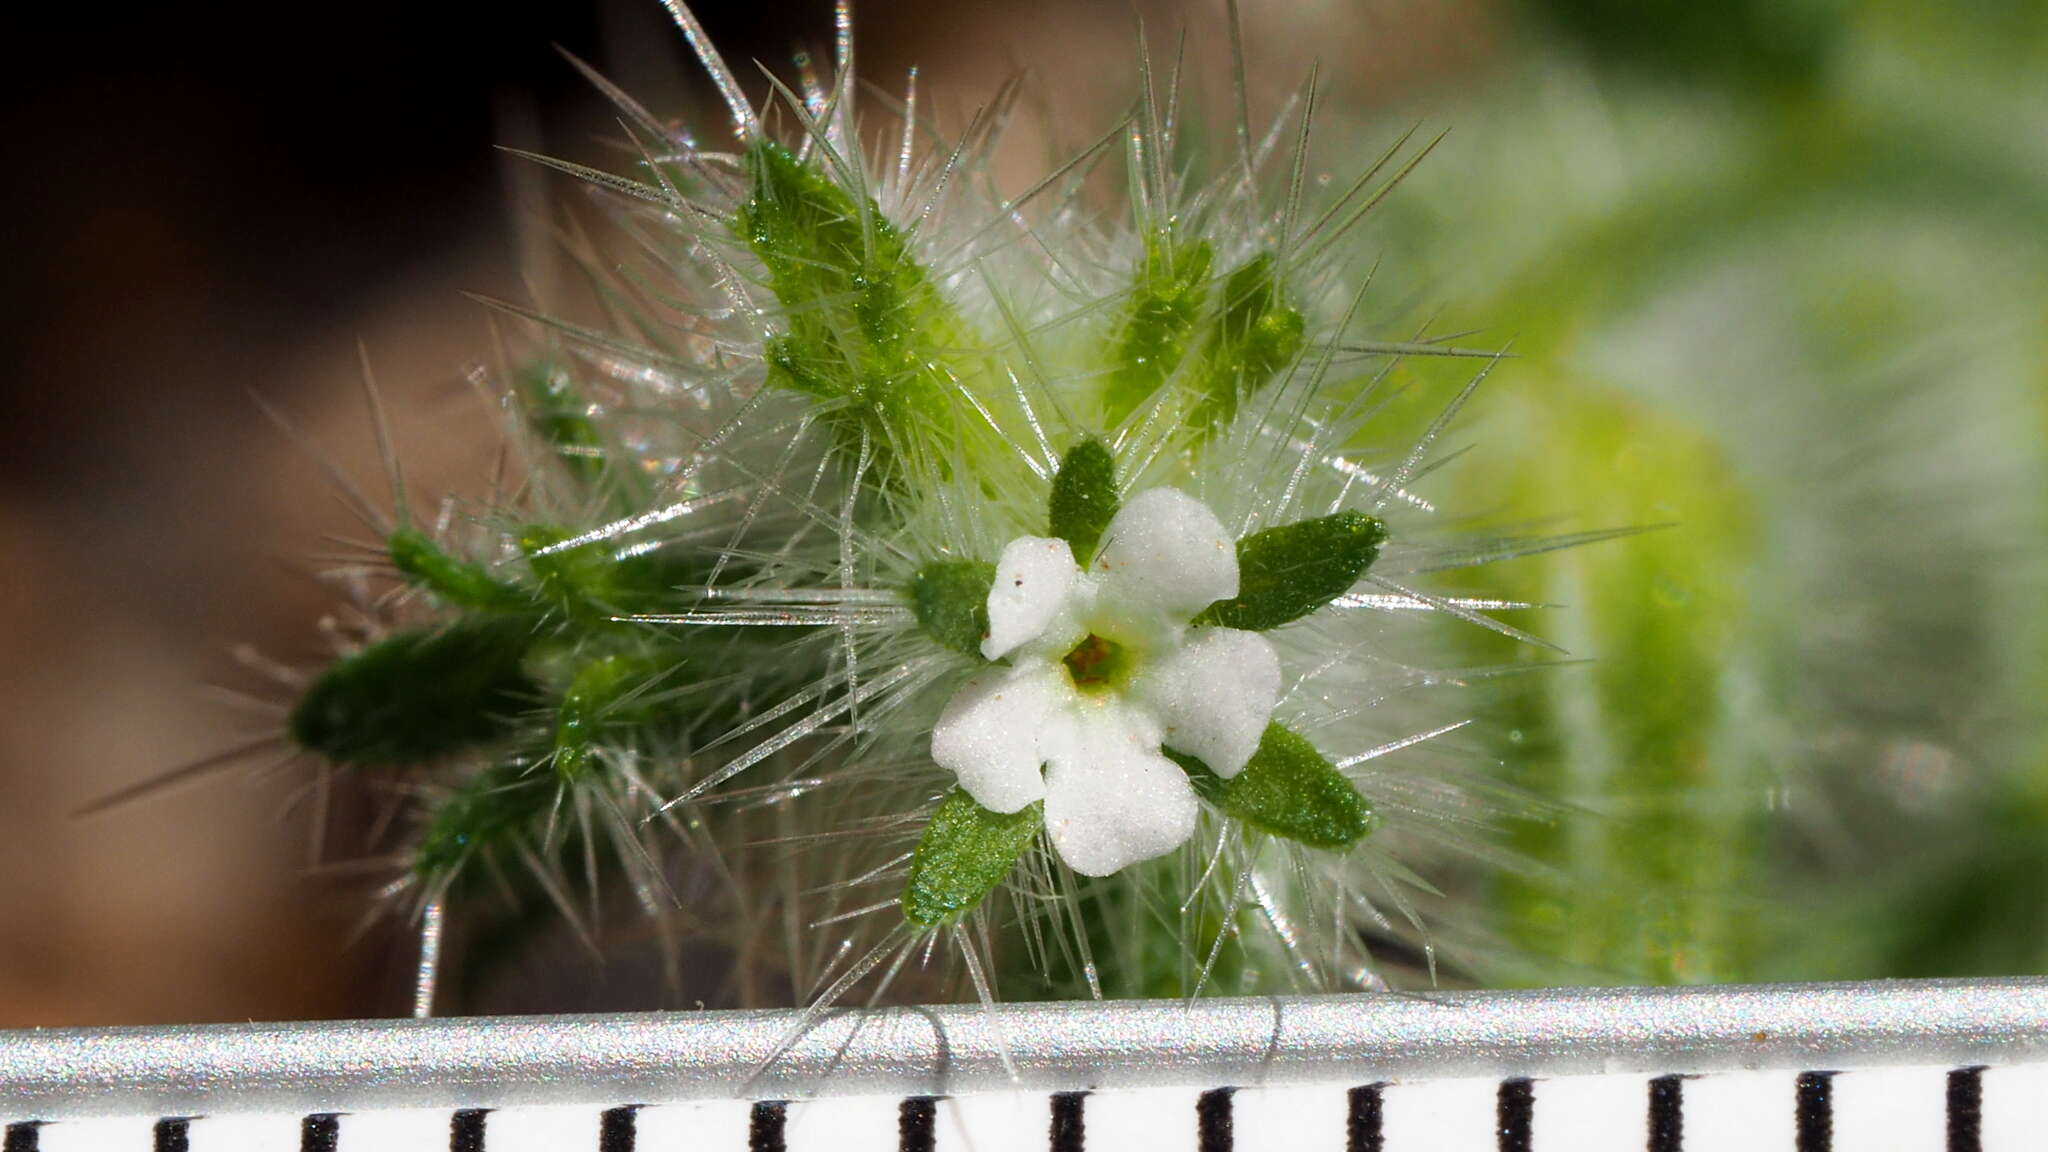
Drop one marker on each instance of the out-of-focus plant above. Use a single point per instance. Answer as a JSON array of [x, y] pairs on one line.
[[1800, 281]]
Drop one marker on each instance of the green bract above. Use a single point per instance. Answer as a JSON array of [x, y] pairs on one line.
[[950, 599], [496, 803], [459, 582], [1165, 303], [865, 325], [1286, 573], [1083, 498], [416, 696], [563, 424], [1252, 340], [1287, 789], [596, 694], [965, 853], [590, 584]]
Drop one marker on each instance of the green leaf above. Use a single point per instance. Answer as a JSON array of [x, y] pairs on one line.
[[1256, 334], [965, 853], [1083, 497], [1286, 789], [416, 696], [950, 598], [1287, 572], [424, 563]]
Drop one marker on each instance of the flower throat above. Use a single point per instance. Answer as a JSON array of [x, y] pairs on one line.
[[1098, 664]]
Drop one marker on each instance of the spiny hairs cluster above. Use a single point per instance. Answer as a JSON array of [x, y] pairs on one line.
[[903, 583]]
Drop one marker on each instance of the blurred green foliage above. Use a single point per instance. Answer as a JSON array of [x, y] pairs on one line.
[[1777, 277]]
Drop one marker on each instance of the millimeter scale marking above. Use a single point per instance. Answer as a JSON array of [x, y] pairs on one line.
[[1944, 1066]]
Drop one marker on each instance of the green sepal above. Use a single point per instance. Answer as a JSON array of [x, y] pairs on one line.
[[965, 853], [591, 584], [1083, 497], [482, 811], [1287, 572], [1287, 789], [599, 693], [950, 599], [1165, 302], [425, 563], [1255, 335], [420, 695]]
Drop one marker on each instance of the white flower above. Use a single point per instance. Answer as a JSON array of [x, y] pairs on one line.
[[1104, 669]]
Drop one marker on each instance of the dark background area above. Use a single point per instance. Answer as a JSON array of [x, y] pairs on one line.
[[207, 201], [188, 175]]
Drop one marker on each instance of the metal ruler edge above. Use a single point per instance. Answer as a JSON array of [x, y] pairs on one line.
[[933, 1051]]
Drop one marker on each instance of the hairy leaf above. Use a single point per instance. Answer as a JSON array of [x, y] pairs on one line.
[[599, 693], [423, 562], [1083, 497], [591, 583], [416, 696], [1286, 789], [950, 598], [1287, 572], [489, 807]]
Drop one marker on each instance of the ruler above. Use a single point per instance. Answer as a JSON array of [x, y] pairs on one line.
[[1926, 1066]]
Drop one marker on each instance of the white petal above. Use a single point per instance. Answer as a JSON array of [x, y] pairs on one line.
[[1035, 578], [989, 734], [1111, 798], [1166, 550], [1214, 695]]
